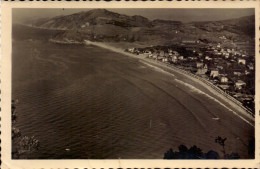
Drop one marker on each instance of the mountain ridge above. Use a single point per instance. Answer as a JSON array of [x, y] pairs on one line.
[[105, 25]]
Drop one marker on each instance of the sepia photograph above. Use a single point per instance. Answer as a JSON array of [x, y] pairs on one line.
[[133, 83]]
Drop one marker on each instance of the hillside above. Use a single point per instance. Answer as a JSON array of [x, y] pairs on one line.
[[244, 25], [104, 25]]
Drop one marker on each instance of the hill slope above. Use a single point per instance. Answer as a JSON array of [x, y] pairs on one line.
[[104, 25]]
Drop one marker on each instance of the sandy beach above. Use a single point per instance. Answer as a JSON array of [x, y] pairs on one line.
[[225, 100]]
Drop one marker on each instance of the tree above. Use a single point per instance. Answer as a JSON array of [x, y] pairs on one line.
[[22, 145], [195, 152]]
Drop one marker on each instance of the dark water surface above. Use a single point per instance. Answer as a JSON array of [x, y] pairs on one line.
[[101, 104]]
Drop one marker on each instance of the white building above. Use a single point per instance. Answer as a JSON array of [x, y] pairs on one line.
[[223, 79], [242, 61], [180, 57], [214, 73], [250, 67], [199, 65], [239, 84], [165, 59], [237, 73]]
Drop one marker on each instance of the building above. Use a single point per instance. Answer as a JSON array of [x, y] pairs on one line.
[[160, 58], [148, 52], [223, 79], [131, 50], [208, 58], [242, 61], [214, 73], [202, 71], [190, 41], [240, 84], [180, 58], [175, 53], [227, 55], [162, 53], [224, 87], [165, 59], [250, 67], [220, 67], [247, 72], [199, 65], [237, 73], [174, 59], [85, 25]]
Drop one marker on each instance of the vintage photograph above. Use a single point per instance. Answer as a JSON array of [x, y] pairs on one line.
[[133, 83]]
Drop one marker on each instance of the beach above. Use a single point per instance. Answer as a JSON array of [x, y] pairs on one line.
[[226, 100]]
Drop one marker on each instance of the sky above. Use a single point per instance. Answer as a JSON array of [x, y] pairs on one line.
[[180, 14]]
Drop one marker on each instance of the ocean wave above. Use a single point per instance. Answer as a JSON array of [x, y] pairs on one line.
[[194, 89], [158, 69]]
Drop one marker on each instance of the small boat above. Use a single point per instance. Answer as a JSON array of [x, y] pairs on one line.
[[215, 118]]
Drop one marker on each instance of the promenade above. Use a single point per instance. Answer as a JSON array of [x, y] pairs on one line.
[[202, 81]]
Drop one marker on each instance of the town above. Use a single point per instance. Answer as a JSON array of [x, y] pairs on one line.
[[231, 70]]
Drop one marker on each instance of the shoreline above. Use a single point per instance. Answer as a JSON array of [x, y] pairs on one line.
[[205, 83]]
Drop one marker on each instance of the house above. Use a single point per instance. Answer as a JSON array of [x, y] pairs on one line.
[[190, 41], [162, 53], [155, 55], [242, 61], [150, 55], [131, 50], [223, 79], [202, 71], [239, 84], [148, 52], [220, 67], [174, 59], [250, 66], [160, 58], [200, 54], [208, 58], [222, 37], [199, 64], [247, 72], [180, 58], [214, 73], [227, 55], [224, 87], [237, 73], [165, 59], [228, 50], [85, 25], [175, 53]]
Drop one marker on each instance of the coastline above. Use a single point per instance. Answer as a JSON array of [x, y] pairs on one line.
[[237, 106]]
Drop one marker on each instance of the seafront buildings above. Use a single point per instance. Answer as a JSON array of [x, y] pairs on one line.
[[230, 69]]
